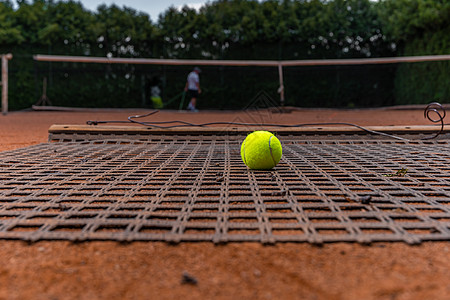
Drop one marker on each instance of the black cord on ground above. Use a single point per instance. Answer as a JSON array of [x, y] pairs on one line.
[[433, 107]]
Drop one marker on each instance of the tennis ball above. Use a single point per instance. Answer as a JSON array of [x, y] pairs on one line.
[[261, 150]]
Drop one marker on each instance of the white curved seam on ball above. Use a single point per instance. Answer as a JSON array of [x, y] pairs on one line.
[[271, 154], [245, 160]]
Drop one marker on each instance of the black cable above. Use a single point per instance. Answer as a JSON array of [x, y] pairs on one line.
[[130, 118], [433, 107], [186, 124]]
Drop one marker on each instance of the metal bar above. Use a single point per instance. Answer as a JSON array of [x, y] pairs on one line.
[[152, 61], [281, 88], [262, 63], [4, 83], [365, 61], [90, 131]]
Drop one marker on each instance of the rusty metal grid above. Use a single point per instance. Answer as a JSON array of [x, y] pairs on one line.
[[191, 188]]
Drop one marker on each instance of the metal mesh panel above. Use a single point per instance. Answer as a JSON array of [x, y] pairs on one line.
[[196, 188]]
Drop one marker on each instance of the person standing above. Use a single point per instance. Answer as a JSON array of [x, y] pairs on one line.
[[193, 88]]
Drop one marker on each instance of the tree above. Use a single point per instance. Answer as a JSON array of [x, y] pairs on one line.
[[10, 33], [419, 27], [123, 32]]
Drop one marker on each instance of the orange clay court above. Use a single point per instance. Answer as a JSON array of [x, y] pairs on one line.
[[204, 270]]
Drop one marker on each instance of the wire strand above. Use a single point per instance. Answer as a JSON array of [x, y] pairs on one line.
[[433, 107]]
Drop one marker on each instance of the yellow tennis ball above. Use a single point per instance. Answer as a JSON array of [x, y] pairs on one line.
[[261, 150]]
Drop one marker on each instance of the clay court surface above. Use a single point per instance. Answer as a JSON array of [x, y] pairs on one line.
[[154, 270]]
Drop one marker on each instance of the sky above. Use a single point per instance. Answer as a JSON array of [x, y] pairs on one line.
[[151, 7]]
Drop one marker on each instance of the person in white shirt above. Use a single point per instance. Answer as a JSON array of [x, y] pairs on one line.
[[193, 88]]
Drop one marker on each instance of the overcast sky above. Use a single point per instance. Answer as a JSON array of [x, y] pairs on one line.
[[151, 7]]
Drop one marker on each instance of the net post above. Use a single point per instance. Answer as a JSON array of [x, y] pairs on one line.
[[281, 88], [4, 82]]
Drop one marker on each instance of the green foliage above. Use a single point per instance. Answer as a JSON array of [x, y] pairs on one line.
[[229, 29], [403, 19], [419, 27], [31, 18], [9, 32], [123, 32], [427, 81]]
